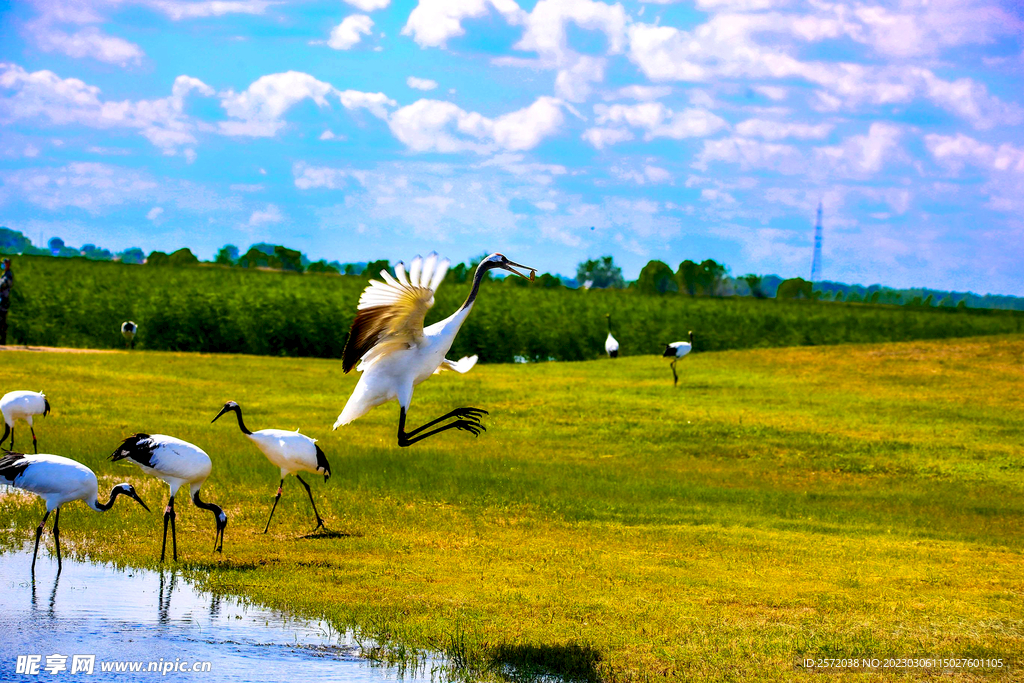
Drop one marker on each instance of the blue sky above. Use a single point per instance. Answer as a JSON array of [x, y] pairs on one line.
[[552, 131]]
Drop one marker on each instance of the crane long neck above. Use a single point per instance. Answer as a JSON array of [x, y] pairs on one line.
[[103, 507], [478, 277], [241, 425], [215, 509], [609, 324]]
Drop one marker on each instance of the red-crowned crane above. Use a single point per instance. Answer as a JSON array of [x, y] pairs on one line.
[[611, 344], [291, 452], [58, 480], [128, 330], [178, 463], [675, 351], [395, 352], [22, 405]]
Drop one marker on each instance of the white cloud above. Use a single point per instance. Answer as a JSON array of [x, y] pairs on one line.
[[154, 213], [956, 151], [660, 121], [546, 25], [778, 130], [420, 83], [433, 22], [270, 214], [863, 155], [331, 135], [605, 137], [43, 94], [177, 10], [640, 92], [369, 5], [434, 125], [350, 31], [259, 109], [88, 42], [772, 92], [751, 154]]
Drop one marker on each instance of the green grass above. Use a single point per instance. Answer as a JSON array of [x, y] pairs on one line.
[[847, 500]]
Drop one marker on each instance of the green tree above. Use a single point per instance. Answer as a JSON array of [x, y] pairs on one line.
[[133, 256], [754, 283], [712, 274], [254, 258], [183, 257], [688, 277], [373, 268], [656, 278], [227, 256], [602, 272], [322, 266], [157, 258], [290, 258], [794, 288]]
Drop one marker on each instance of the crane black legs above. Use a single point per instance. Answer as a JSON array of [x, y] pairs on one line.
[[319, 521], [169, 517], [470, 424], [10, 430], [56, 539], [276, 498], [675, 377]]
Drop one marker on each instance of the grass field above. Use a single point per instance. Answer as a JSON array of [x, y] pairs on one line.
[[843, 501]]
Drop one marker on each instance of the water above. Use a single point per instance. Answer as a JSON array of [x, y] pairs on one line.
[[129, 615]]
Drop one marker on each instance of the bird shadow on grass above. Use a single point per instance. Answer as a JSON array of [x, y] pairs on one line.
[[568, 662], [330, 533]]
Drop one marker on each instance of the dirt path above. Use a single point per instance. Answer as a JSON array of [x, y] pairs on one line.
[[55, 349]]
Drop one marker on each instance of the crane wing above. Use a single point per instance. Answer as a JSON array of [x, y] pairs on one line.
[[462, 366], [390, 313]]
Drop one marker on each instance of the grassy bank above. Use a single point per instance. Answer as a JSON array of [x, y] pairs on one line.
[[858, 500], [74, 302]]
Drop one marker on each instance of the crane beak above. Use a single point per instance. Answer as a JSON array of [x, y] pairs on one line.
[[531, 276], [136, 497], [222, 411]]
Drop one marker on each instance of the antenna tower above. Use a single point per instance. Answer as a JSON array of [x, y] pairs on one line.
[[816, 262]]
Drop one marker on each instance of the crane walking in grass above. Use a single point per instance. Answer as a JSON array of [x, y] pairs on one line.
[[128, 330], [675, 351], [58, 480], [290, 451], [22, 405], [178, 463], [611, 344], [395, 352]]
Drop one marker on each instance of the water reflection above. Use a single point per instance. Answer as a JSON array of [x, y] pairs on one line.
[[146, 617]]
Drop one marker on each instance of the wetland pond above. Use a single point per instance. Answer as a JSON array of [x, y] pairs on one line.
[[129, 616]]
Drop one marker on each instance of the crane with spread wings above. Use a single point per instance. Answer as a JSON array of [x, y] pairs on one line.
[[394, 352]]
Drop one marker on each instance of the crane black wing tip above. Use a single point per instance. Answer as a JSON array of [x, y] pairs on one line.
[[133, 449], [366, 329], [12, 464]]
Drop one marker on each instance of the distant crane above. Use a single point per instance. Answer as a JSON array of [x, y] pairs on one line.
[[22, 405], [611, 345], [178, 463], [395, 352], [58, 480], [128, 331], [816, 261], [291, 452], [675, 351]]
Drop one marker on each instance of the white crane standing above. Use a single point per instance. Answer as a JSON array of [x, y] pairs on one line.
[[58, 480], [178, 463], [290, 451], [675, 351], [395, 352], [611, 344], [22, 405], [128, 330]]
